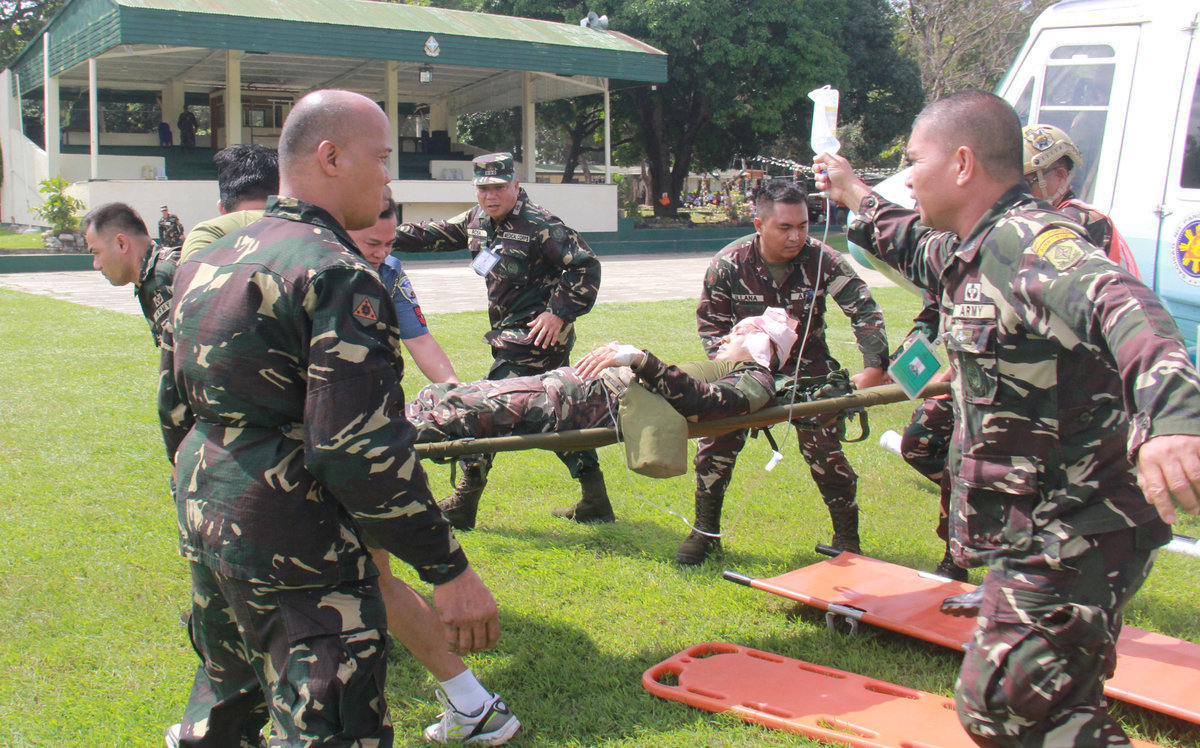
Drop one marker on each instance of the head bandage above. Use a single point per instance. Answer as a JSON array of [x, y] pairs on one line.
[[770, 332]]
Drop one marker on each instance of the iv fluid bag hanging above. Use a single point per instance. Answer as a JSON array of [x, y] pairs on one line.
[[824, 121]]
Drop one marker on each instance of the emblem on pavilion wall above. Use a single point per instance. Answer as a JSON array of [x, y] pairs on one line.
[[432, 48]]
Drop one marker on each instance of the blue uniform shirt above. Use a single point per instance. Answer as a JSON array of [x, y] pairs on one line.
[[408, 309]]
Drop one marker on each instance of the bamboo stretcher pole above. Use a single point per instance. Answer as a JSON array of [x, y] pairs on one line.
[[570, 441]]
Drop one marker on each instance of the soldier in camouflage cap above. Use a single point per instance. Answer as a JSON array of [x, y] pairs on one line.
[[123, 250], [1067, 372], [283, 413], [170, 230], [541, 276]]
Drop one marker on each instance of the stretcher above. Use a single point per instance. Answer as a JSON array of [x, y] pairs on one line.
[[1156, 672], [827, 705]]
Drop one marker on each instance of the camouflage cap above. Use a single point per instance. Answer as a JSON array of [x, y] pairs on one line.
[[494, 168]]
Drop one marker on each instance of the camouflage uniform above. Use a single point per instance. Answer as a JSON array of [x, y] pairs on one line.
[[170, 231], [282, 409], [1049, 343], [738, 285], [560, 400], [925, 443], [153, 287], [544, 265]]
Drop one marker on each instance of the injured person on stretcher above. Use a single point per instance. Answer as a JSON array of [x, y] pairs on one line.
[[737, 381]]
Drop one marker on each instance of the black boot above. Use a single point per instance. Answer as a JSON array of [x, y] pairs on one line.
[[845, 528], [697, 546], [950, 570], [593, 506], [461, 506], [964, 605]]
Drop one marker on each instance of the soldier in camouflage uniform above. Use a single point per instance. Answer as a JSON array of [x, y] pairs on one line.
[[541, 276], [283, 413], [782, 266], [170, 230], [1066, 370], [124, 252], [1050, 160], [582, 397]]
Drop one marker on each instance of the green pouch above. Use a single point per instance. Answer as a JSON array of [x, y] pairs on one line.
[[654, 434]]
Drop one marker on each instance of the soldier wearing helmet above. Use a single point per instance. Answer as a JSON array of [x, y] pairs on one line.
[[1051, 159]]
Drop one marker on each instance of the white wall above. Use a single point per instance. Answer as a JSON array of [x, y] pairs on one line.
[[192, 201], [77, 167], [583, 207]]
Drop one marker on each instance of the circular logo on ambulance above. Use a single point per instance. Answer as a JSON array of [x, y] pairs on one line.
[[1185, 249]]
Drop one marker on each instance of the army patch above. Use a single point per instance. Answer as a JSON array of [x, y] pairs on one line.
[[481, 233], [1060, 248], [366, 308]]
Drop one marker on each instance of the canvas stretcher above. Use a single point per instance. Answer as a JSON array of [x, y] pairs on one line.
[[1154, 671]]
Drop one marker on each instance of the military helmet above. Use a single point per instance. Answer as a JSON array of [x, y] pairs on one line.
[[1045, 145]]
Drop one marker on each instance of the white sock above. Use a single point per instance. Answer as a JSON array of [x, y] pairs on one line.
[[466, 694]]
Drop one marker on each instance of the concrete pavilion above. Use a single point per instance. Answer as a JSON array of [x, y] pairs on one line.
[[241, 64]]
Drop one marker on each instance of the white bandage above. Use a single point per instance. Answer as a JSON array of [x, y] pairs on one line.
[[627, 355]]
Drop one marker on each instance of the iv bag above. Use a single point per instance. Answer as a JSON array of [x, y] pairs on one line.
[[824, 121]]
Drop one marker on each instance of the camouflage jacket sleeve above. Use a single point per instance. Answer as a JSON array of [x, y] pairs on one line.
[[433, 236], [747, 387], [174, 415], [854, 297], [714, 313], [1072, 295], [154, 288], [358, 444], [579, 284], [897, 236], [927, 322]]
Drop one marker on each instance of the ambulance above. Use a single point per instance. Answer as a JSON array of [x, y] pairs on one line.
[[1122, 78]]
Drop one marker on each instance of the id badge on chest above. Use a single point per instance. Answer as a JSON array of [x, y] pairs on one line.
[[484, 261]]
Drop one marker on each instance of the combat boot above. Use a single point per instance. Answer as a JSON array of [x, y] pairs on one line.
[[697, 545], [593, 506], [845, 528], [462, 505], [950, 570]]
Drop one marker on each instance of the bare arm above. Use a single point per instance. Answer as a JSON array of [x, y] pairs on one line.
[[433, 362]]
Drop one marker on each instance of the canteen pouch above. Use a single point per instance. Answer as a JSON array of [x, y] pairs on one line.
[[655, 435]]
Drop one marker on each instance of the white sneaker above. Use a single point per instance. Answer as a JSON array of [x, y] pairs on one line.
[[172, 736], [494, 724]]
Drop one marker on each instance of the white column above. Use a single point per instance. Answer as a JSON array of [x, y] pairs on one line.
[[93, 120], [528, 130], [233, 97], [391, 100], [607, 137], [172, 104], [52, 127]]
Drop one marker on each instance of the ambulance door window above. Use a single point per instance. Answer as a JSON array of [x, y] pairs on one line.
[[1075, 97], [1025, 103], [1189, 175]]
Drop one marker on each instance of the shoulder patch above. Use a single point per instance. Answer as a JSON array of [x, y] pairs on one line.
[[1060, 248], [366, 308]]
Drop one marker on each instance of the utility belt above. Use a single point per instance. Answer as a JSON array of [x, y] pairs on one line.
[[797, 389]]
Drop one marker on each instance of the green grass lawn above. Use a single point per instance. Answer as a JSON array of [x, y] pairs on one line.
[[91, 588], [12, 243]]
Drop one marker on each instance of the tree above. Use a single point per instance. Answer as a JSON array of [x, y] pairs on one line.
[[736, 68], [20, 21], [962, 44]]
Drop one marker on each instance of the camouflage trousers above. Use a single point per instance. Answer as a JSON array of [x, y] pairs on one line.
[[1033, 675], [475, 468], [925, 445], [831, 471], [313, 660]]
